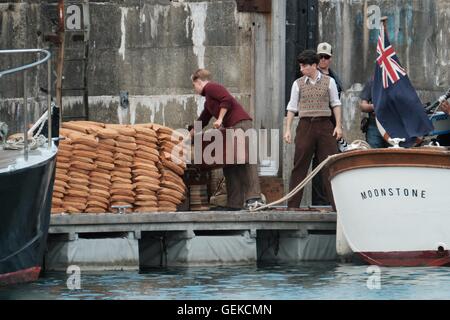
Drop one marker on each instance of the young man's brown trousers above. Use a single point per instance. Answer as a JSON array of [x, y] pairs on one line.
[[313, 135]]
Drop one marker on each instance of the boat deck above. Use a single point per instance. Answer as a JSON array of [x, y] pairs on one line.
[[9, 157]]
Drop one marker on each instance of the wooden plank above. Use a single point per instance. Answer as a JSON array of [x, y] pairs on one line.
[[192, 216], [182, 221]]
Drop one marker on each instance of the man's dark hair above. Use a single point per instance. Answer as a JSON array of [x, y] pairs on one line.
[[308, 57]]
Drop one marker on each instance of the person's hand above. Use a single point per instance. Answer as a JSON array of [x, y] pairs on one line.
[[445, 106], [337, 132], [217, 124], [287, 137]]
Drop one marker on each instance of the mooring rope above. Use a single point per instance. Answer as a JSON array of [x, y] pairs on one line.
[[355, 145], [33, 143]]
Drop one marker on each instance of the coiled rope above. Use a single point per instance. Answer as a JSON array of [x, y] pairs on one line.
[[355, 145], [34, 142]]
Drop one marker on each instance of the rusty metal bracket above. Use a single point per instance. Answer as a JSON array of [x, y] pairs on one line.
[[259, 6]]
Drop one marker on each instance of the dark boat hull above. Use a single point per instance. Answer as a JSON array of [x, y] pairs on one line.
[[25, 204]]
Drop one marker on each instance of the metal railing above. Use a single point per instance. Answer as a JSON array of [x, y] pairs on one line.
[[24, 69]]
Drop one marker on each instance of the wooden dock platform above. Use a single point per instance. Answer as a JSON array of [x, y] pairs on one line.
[[201, 220], [111, 241]]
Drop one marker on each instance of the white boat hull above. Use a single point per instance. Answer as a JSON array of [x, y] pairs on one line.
[[394, 215]]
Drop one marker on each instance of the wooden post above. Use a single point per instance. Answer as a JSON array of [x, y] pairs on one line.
[[383, 20], [60, 59]]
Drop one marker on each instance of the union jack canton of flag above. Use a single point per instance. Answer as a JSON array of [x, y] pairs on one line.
[[390, 68]]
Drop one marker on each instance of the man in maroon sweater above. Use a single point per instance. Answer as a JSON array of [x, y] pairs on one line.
[[242, 180]]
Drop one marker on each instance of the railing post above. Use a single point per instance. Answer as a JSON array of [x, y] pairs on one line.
[[25, 116], [49, 107]]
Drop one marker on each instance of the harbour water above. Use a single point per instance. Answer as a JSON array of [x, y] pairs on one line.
[[303, 281]]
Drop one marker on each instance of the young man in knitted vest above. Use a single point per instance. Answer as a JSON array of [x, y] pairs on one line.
[[311, 96]]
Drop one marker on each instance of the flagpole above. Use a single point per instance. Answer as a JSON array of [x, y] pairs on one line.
[[383, 20]]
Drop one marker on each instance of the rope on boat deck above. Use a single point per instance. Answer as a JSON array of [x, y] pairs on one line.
[[34, 142], [355, 145]]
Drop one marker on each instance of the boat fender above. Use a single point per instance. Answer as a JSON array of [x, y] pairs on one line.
[[441, 247]]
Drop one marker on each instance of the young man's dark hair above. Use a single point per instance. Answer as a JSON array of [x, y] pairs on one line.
[[308, 57]]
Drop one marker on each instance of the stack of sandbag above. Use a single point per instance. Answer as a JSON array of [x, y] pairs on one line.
[[100, 178], [145, 172], [61, 175], [122, 188], [82, 163], [171, 167], [102, 166]]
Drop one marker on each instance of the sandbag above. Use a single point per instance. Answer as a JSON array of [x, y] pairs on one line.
[[82, 159], [107, 133], [122, 174], [121, 198], [105, 165], [145, 131], [57, 194], [148, 173], [59, 189], [146, 186], [123, 130], [83, 165], [77, 193], [126, 139], [95, 210], [85, 154], [146, 209], [129, 152], [62, 165], [83, 147], [123, 157]]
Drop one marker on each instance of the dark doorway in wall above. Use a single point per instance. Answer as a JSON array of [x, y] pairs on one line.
[[301, 34]]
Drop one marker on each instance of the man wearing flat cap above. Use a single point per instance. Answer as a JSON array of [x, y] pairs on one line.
[[325, 53]]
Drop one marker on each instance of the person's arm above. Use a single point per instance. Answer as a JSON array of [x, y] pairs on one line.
[[366, 106], [205, 116], [338, 115], [445, 106], [219, 120], [221, 94], [338, 83], [287, 131], [292, 108], [335, 103]]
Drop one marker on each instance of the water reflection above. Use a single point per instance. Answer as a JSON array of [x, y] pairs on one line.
[[312, 280]]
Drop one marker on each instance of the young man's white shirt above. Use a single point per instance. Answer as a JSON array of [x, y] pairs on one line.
[[295, 93]]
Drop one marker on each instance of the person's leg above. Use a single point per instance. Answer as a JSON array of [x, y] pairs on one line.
[[248, 177], [304, 148], [319, 197], [373, 136], [250, 180], [326, 146], [444, 140], [235, 192]]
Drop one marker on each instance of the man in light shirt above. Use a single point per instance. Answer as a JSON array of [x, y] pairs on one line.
[[311, 96]]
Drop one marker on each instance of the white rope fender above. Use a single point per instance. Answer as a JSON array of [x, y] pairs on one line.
[[34, 142]]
